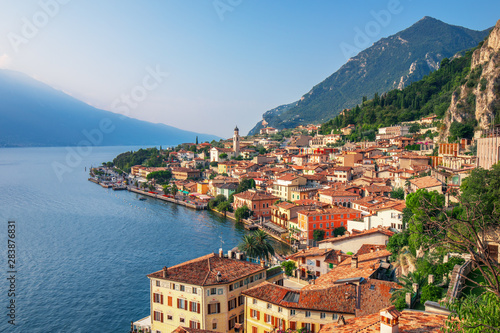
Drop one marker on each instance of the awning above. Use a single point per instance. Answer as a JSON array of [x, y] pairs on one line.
[[143, 323], [205, 197], [185, 192], [274, 227]]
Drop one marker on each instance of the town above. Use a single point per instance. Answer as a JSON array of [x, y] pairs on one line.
[[340, 205]]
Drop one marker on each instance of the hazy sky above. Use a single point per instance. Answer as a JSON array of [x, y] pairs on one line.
[[204, 66]]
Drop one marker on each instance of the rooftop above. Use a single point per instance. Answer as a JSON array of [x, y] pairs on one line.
[[203, 271]]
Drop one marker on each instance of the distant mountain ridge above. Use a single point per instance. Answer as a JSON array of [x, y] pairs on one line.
[[35, 114], [391, 62]]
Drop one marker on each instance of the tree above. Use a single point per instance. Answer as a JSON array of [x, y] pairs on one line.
[[241, 213], [223, 207], [431, 292], [214, 164], [414, 128], [398, 193], [476, 314], [223, 156], [249, 246], [289, 267], [213, 203], [245, 184], [406, 282], [161, 177], [318, 235], [263, 243], [340, 231], [174, 190]]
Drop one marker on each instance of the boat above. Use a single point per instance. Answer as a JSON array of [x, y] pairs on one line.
[[142, 198]]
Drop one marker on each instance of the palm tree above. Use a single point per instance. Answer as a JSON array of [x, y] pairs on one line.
[[249, 246], [406, 282], [265, 247]]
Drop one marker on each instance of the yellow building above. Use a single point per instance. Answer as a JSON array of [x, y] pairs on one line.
[[226, 167], [202, 188], [270, 307], [203, 293]]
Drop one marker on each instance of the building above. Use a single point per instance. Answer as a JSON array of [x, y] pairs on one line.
[[316, 262], [390, 320], [354, 241], [226, 189], [390, 132], [429, 183], [203, 293], [323, 219], [338, 197], [215, 153], [387, 215], [488, 149], [236, 142], [270, 307], [259, 202], [283, 186], [185, 173]]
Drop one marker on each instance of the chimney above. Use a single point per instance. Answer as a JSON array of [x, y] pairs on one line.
[[238, 256], [408, 300], [164, 272], [339, 259], [219, 277], [262, 263], [230, 254], [354, 261], [389, 320], [221, 253], [431, 279]]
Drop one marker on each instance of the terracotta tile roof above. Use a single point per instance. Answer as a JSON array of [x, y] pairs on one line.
[[425, 182], [331, 299], [255, 195], [367, 265], [336, 193], [203, 271], [368, 248], [335, 257], [288, 177], [312, 252], [310, 202], [333, 210], [410, 321], [285, 205], [384, 231]]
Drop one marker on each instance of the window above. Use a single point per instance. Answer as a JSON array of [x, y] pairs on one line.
[[158, 298], [182, 320], [307, 326], [314, 226], [254, 206], [322, 315], [280, 309], [169, 300], [214, 326], [317, 263], [169, 317], [172, 286], [314, 218], [241, 283], [327, 233], [195, 290], [232, 321], [267, 318], [213, 291], [231, 287], [372, 287], [213, 308], [241, 300], [335, 316], [251, 279], [231, 304], [321, 225], [182, 304], [220, 291], [157, 283], [158, 316], [254, 329], [194, 324], [292, 312], [194, 307], [308, 314], [269, 306], [341, 224], [293, 325], [182, 288], [254, 301]]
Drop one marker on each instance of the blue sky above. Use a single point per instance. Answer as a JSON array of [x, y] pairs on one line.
[[219, 63]]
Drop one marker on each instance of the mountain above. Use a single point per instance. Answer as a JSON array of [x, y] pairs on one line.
[[476, 103], [35, 114], [390, 63]]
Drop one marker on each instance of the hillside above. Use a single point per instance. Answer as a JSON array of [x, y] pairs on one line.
[[390, 63], [35, 114]]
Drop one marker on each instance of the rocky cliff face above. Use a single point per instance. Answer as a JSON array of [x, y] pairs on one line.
[[479, 98]]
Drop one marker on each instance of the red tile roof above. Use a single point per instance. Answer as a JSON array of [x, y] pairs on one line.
[[255, 195], [410, 321], [331, 299], [384, 231], [203, 271]]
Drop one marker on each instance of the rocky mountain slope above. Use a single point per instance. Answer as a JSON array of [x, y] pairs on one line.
[[477, 101], [392, 62]]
